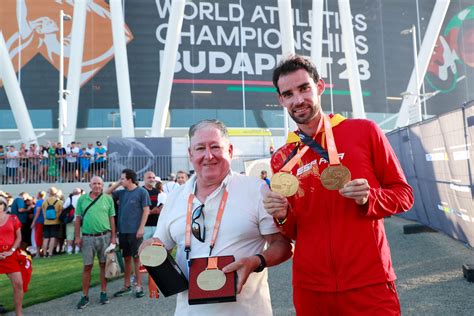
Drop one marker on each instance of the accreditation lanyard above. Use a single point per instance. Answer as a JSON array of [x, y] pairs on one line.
[[298, 154], [331, 143], [220, 212]]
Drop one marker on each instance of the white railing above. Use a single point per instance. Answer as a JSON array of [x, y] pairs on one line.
[[60, 170]]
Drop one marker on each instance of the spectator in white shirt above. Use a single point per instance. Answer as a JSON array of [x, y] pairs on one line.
[[13, 163], [72, 200]]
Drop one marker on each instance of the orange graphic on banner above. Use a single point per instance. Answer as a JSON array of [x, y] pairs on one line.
[[31, 27]]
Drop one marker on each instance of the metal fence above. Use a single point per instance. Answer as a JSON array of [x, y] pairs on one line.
[[60, 170]]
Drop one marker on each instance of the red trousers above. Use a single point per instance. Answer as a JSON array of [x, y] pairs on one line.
[[39, 235], [377, 299]]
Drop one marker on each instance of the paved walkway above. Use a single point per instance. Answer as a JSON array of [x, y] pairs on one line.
[[428, 265]]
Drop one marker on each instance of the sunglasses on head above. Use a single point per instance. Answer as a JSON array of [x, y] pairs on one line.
[[199, 233]]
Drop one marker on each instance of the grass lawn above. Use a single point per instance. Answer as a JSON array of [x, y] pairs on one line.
[[52, 278]]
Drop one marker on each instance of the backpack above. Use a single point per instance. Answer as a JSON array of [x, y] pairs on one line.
[[50, 212], [67, 214]]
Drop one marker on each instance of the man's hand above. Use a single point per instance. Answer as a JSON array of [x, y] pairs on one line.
[[147, 243], [113, 187], [275, 204], [110, 248], [155, 210], [244, 267], [357, 189], [78, 242], [5, 254], [140, 232]]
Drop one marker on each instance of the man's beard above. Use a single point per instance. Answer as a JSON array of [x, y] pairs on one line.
[[306, 119]]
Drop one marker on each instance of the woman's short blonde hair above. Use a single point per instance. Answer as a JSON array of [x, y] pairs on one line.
[[53, 191]]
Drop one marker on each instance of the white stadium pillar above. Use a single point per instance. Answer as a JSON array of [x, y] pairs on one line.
[[15, 97], [168, 63], [287, 48], [317, 33], [75, 68], [121, 69], [358, 110]]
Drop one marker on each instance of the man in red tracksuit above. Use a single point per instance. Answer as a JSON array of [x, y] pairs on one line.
[[342, 263]]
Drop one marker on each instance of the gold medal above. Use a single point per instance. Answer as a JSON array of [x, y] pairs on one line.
[[153, 256], [335, 177], [284, 183], [211, 279]]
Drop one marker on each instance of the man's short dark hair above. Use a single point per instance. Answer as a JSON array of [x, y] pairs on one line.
[[292, 64], [131, 175]]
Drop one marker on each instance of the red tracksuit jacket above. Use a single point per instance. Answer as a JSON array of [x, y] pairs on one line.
[[339, 244]]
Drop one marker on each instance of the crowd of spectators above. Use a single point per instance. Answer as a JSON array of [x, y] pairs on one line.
[[44, 226], [40, 236], [52, 162], [43, 237]]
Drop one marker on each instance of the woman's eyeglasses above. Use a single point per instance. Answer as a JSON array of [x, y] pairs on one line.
[[199, 233]]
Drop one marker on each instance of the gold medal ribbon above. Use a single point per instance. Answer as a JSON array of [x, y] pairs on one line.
[[335, 176]]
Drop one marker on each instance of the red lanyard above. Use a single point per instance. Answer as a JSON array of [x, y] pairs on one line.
[[220, 212]]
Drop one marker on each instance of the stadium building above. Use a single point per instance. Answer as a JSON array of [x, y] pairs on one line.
[[115, 54]]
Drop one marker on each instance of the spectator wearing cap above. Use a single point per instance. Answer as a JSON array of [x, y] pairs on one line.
[[157, 200], [20, 208], [100, 159]]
